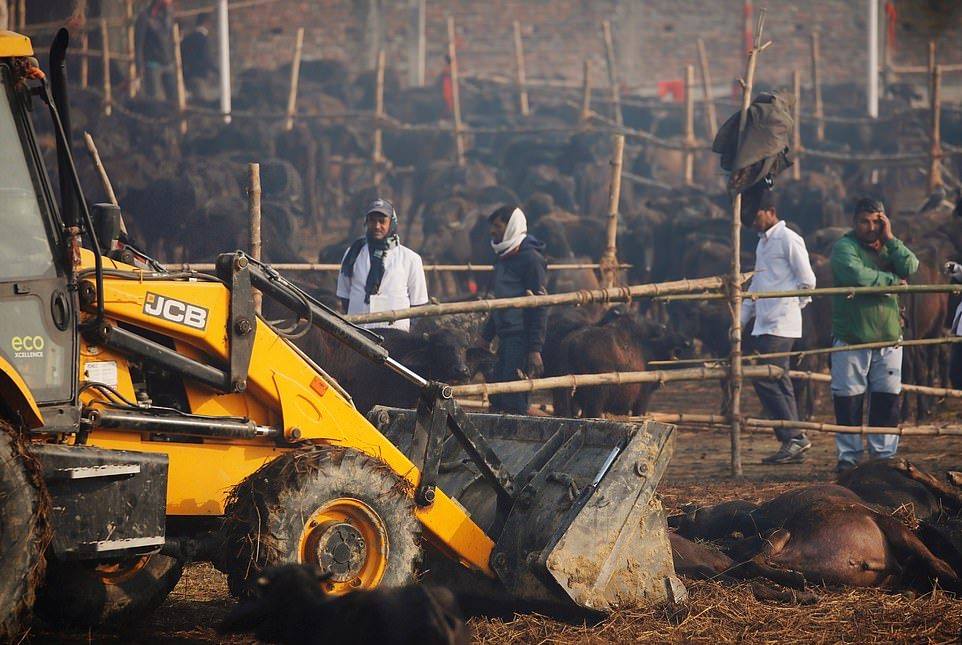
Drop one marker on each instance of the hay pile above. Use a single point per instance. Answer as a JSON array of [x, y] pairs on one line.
[[730, 614]]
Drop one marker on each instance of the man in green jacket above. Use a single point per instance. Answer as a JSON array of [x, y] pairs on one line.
[[868, 256]]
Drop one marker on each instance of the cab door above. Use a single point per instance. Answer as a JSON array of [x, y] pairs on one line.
[[37, 311]]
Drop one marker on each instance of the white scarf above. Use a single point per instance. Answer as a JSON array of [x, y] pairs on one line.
[[514, 233]]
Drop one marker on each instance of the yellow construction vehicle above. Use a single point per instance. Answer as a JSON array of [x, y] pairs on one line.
[[151, 418]]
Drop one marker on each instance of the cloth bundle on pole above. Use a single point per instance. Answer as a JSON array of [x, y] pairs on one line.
[[765, 147]]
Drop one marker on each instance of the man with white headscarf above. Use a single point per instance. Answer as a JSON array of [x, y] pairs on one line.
[[378, 273], [520, 269]]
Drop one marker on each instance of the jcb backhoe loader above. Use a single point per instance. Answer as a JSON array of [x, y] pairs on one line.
[[151, 417]]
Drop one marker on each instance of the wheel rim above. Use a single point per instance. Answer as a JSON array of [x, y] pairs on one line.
[[116, 573], [348, 540]]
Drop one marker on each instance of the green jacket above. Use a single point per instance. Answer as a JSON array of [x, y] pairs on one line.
[[868, 318]]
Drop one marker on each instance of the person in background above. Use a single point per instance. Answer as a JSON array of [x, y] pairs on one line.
[[154, 50], [195, 52], [953, 270], [520, 269], [377, 273], [868, 256], [781, 264]]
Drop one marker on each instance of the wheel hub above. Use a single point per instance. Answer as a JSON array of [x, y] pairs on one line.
[[346, 539], [341, 551]]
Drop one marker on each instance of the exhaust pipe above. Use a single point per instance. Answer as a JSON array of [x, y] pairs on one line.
[[58, 89]]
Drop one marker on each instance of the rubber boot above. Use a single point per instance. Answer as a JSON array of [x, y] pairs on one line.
[[884, 411], [848, 409], [848, 447]]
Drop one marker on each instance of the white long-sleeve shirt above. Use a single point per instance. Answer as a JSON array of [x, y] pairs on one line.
[[781, 264], [402, 286]]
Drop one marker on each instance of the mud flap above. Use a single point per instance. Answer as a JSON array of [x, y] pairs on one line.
[[584, 525]]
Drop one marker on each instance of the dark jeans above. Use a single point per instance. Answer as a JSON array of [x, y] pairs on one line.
[[777, 396], [512, 357]]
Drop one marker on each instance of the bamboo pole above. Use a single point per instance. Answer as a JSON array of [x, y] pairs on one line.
[[910, 388], [570, 381], [455, 94], [817, 88], [935, 151], [689, 125], [610, 257], [295, 78], [711, 117], [105, 60], [131, 49], [717, 419], [797, 126], [179, 74], [254, 213], [849, 292], [586, 92], [84, 65], [519, 69], [377, 156], [99, 167], [945, 340], [612, 72], [736, 370], [613, 294], [930, 68], [316, 266]]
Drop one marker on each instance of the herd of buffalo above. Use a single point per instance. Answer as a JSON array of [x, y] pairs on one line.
[[885, 524], [184, 200]]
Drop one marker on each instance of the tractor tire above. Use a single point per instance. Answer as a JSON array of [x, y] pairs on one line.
[[84, 594], [335, 508], [24, 532]]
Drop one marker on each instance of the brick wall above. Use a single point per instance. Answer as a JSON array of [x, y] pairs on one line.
[[654, 38]]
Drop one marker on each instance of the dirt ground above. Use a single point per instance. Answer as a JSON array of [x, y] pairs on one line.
[[716, 612]]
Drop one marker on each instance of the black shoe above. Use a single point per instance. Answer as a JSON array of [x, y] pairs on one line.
[[791, 452], [843, 467]]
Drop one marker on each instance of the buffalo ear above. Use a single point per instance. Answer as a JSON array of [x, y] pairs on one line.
[[416, 359]]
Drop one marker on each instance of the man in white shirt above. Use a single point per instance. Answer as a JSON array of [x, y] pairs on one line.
[[377, 273], [781, 264]]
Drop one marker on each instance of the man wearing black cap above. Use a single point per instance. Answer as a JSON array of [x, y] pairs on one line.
[[781, 264], [377, 273]]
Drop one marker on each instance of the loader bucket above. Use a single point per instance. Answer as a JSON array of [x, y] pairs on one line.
[[582, 524]]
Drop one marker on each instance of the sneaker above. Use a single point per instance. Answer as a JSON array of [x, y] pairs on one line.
[[791, 452]]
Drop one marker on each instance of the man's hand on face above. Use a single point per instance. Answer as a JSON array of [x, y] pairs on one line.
[[886, 233], [535, 365]]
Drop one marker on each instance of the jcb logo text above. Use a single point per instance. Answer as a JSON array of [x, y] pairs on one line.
[[182, 313]]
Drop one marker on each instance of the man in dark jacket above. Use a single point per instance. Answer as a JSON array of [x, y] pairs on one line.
[[519, 270]]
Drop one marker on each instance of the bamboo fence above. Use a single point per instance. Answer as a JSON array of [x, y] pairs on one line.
[[582, 96]]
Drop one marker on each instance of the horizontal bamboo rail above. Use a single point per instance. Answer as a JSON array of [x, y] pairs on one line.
[[821, 350], [941, 392], [573, 381], [849, 292], [611, 294], [722, 421], [923, 69], [309, 266]]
